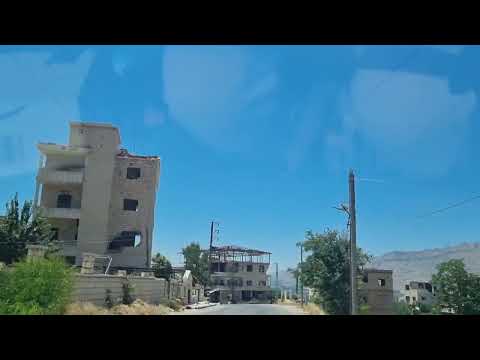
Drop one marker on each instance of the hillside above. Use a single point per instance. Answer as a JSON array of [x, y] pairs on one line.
[[420, 265]]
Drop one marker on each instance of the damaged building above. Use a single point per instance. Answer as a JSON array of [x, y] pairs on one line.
[[239, 274], [418, 292], [98, 197], [376, 291]]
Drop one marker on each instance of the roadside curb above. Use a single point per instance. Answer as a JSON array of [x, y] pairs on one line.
[[202, 306]]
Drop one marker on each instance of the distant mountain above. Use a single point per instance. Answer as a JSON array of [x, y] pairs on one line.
[[420, 265]]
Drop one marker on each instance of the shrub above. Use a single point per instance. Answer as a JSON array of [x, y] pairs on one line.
[[176, 304], [109, 303], [127, 291], [36, 287], [401, 308]]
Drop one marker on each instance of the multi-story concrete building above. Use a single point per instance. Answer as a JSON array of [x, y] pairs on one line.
[[98, 197], [418, 292], [376, 291], [239, 274]]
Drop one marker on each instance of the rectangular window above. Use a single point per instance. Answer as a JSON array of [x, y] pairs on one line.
[[381, 282], [249, 268], [249, 282], [133, 173], [420, 285], [221, 282], [407, 287], [261, 268], [407, 299], [130, 204], [414, 299]]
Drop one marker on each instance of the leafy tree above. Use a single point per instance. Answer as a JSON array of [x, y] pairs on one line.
[[162, 268], [402, 308], [457, 289], [18, 228], [197, 262], [36, 287], [327, 269]]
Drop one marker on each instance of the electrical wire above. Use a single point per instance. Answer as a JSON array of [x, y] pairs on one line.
[[449, 207]]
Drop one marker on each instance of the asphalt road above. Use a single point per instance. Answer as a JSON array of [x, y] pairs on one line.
[[245, 309]]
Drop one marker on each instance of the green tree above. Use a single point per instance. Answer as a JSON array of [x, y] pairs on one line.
[[18, 228], [457, 289], [327, 269], [196, 261], [36, 287], [162, 268]]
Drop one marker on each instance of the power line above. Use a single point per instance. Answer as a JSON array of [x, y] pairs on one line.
[[449, 207]]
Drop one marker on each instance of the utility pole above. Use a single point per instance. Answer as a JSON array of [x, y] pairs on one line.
[[301, 264], [276, 275], [353, 244]]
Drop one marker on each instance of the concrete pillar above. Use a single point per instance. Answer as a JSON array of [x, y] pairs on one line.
[[36, 251], [88, 263]]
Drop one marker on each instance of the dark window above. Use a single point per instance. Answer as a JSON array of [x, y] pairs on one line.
[[407, 299], [55, 233], [64, 201], [261, 268], [420, 285], [130, 204], [381, 282], [249, 282], [70, 260], [222, 267], [423, 298], [262, 283], [428, 287], [365, 278], [407, 287], [133, 173], [221, 282], [414, 299], [249, 268], [126, 239]]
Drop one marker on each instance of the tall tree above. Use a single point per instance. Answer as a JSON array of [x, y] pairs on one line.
[[326, 269], [457, 289], [197, 262], [162, 267], [19, 227]]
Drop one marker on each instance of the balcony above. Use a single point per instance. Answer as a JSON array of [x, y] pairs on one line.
[[61, 213], [60, 177]]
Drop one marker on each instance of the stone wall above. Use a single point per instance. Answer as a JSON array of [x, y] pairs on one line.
[[92, 288]]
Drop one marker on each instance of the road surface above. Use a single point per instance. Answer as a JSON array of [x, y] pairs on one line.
[[245, 309]]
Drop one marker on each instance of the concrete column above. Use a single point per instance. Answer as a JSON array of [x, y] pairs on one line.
[[36, 251], [88, 263]]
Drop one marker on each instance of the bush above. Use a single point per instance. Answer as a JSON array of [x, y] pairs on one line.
[[176, 304], [127, 291], [36, 287], [401, 308]]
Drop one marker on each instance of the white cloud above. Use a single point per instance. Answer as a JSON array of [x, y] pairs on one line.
[[207, 88], [450, 49], [413, 121], [48, 94]]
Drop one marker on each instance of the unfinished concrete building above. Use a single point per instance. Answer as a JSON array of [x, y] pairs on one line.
[[239, 275], [376, 291], [418, 292], [98, 197]]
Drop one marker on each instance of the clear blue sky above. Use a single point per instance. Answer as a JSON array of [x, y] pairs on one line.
[[261, 138]]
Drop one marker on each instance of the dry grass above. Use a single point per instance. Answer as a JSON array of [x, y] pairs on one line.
[[313, 309], [138, 307]]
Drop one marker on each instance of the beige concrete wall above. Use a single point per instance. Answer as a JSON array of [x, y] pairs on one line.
[[142, 189], [60, 161], [97, 186], [92, 288]]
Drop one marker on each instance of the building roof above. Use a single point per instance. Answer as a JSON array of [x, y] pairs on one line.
[[377, 270], [239, 249], [124, 153], [98, 125]]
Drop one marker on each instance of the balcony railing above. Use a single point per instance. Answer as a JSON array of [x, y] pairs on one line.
[[61, 213], [52, 176]]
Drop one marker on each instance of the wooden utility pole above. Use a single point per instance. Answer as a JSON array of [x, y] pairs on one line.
[[353, 244], [301, 264], [210, 252]]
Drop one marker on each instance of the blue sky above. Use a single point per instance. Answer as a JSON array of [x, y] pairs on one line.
[[261, 138]]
